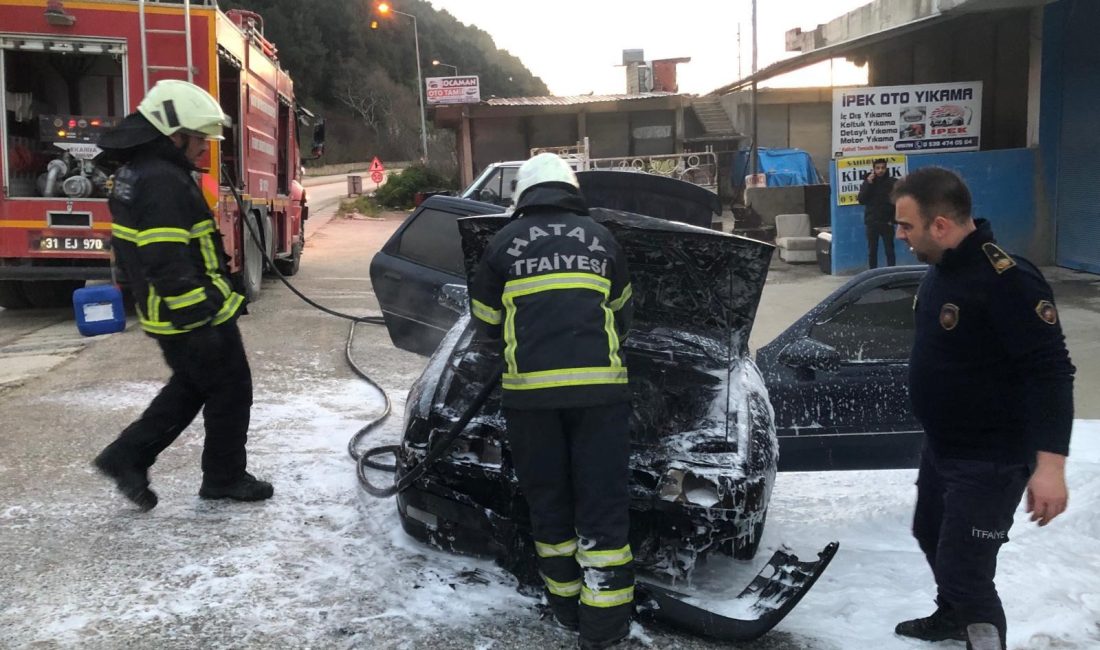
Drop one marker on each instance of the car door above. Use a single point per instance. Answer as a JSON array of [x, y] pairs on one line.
[[838, 378], [424, 254]]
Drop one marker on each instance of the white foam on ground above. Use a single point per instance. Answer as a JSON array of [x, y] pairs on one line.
[[323, 564]]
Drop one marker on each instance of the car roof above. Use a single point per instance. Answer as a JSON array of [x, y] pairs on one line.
[[880, 276], [458, 203]]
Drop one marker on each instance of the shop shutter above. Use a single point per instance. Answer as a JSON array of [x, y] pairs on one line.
[[1078, 207]]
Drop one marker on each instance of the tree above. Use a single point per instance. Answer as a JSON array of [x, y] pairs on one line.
[[359, 77]]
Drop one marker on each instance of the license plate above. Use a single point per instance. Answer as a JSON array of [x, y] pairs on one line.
[[50, 243]]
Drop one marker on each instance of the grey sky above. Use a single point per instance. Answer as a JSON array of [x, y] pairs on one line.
[[575, 44]]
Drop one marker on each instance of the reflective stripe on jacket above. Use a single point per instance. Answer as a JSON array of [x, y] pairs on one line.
[[167, 245], [554, 285]]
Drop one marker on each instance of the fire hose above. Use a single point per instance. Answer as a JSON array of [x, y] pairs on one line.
[[365, 458]]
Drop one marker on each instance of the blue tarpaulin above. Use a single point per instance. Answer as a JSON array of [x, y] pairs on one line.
[[782, 167]]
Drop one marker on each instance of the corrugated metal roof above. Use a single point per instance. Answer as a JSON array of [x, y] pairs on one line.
[[569, 100]]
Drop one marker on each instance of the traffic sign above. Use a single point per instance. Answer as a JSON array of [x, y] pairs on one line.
[[376, 166], [376, 176]]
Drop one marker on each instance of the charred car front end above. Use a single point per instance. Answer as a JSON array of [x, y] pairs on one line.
[[704, 450]]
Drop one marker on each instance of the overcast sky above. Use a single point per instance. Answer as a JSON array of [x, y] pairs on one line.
[[574, 45]]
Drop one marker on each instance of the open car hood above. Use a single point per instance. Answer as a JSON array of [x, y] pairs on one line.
[[649, 194], [683, 277]]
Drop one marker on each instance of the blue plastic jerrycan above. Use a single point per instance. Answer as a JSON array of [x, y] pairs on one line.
[[99, 310]]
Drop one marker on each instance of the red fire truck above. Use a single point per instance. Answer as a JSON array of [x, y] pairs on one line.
[[70, 70]]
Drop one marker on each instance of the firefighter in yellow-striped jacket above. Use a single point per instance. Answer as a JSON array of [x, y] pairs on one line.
[[167, 245], [554, 285]]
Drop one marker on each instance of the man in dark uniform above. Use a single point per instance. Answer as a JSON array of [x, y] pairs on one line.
[[992, 384], [166, 243], [557, 284], [878, 212]]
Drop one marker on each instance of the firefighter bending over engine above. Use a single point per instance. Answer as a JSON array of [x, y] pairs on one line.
[[555, 284]]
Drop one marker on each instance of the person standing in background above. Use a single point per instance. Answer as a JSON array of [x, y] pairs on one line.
[[878, 212]]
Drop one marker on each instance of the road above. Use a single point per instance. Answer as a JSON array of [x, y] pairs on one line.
[[320, 565]]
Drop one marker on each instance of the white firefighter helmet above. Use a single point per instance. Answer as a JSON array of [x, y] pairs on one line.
[[174, 106], [543, 168]]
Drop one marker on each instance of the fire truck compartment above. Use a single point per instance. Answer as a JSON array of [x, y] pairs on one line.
[[59, 95]]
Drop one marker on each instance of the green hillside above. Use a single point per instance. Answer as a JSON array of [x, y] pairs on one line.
[[364, 80]]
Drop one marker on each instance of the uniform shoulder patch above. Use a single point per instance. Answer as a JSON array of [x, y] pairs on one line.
[[1047, 312], [1000, 260], [949, 316]]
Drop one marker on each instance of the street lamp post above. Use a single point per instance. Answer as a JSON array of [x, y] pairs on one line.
[[385, 8], [437, 62]]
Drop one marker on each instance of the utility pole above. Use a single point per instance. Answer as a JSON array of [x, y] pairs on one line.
[[740, 75], [752, 152], [384, 8], [420, 84]]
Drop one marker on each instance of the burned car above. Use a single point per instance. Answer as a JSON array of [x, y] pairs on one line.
[[703, 441], [703, 444]]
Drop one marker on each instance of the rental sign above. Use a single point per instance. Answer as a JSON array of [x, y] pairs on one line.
[[453, 90], [850, 173], [888, 120]]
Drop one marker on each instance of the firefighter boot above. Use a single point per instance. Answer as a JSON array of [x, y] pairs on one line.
[[132, 482], [940, 626], [565, 612], [245, 488]]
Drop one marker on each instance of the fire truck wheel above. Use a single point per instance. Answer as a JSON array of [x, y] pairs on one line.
[[289, 267], [48, 294], [12, 296], [252, 270], [269, 239]]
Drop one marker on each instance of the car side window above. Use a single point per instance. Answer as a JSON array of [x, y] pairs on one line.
[[490, 190], [877, 326], [432, 239], [507, 185]]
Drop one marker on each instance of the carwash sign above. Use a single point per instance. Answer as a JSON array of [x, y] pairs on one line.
[[453, 90], [907, 119]]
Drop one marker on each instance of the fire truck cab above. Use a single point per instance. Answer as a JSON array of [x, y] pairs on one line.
[[70, 70]]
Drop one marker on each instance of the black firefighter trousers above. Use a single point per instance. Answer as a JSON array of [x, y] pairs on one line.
[[964, 511], [572, 465], [209, 372]]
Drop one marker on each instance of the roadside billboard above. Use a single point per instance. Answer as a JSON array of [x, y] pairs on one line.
[[927, 118], [453, 90], [850, 173]]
